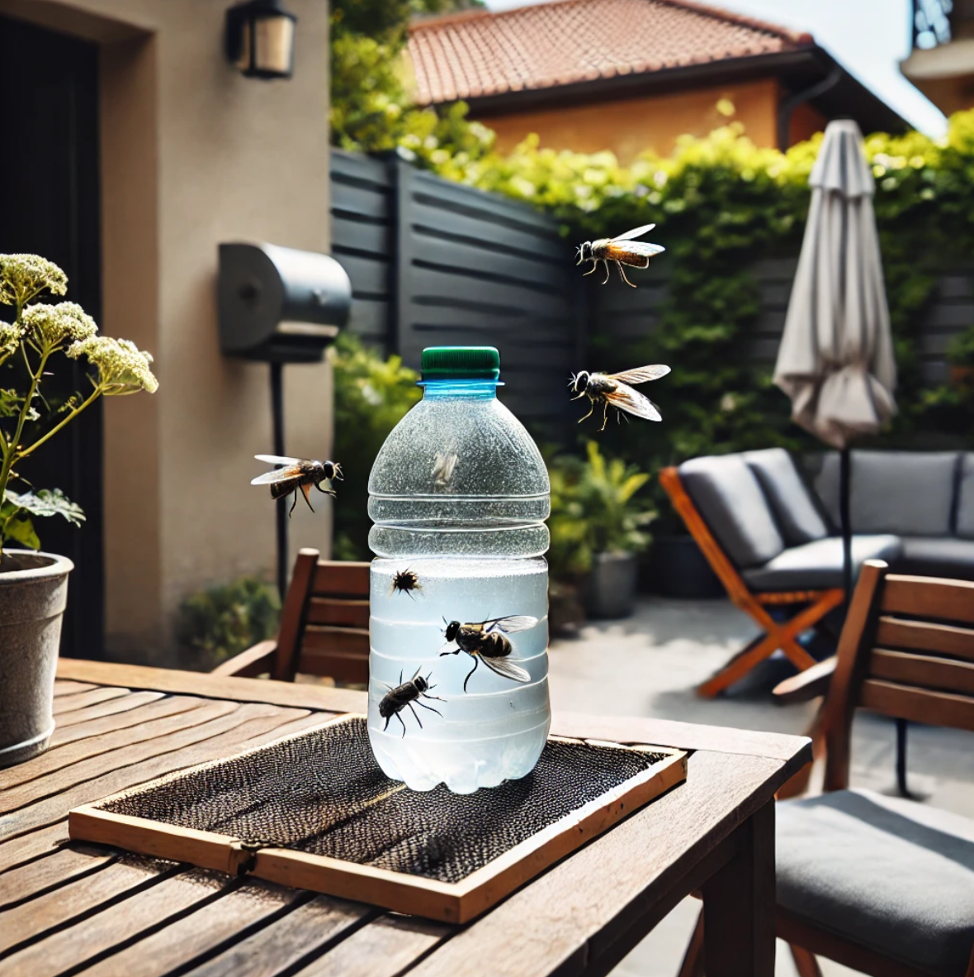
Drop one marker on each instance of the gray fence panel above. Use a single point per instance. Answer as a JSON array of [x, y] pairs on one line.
[[362, 232], [437, 263]]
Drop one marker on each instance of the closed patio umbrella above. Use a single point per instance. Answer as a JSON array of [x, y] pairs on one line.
[[836, 358]]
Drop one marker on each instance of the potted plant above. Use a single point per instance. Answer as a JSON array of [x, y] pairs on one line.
[[596, 529], [33, 585], [960, 356]]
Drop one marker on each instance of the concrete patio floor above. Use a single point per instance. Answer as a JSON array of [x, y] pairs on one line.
[[648, 665]]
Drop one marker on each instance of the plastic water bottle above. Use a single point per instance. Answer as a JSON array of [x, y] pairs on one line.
[[458, 496]]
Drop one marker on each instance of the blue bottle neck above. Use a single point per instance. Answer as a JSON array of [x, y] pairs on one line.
[[468, 389]]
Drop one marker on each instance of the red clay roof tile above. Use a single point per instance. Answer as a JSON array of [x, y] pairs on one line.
[[479, 53]]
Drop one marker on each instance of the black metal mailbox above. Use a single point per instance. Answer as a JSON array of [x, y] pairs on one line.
[[280, 305]]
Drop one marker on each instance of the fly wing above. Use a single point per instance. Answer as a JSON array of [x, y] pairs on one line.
[[634, 233], [278, 460], [511, 625], [633, 402], [278, 475], [506, 669], [642, 374], [644, 248]]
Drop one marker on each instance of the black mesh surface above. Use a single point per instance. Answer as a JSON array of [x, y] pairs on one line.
[[322, 792]]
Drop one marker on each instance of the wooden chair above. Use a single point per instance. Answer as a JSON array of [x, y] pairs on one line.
[[906, 651], [324, 626], [810, 606]]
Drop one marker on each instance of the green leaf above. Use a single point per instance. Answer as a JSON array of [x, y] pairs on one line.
[[47, 502], [17, 527]]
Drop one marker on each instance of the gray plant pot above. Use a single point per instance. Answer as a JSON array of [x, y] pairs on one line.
[[611, 587], [33, 595]]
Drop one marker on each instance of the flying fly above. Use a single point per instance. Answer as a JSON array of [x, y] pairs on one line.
[[621, 250], [297, 474]]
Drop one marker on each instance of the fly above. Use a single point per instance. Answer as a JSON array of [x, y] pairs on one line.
[[487, 641], [621, 250], [405, 582], [614, 390], [296, 474], [405, 694]]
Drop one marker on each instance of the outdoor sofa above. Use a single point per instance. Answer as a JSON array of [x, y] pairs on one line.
[[775, 544]]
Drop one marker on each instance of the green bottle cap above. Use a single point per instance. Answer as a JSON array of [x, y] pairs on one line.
[[461, 363]]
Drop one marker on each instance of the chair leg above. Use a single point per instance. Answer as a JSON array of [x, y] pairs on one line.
[[805, 962], [763, 646], [693, 964], [776, 636], [901, 728]]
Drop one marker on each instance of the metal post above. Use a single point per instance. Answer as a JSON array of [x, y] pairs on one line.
[[846, 520], [277, 412]]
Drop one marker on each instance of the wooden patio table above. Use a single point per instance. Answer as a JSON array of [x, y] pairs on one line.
[[68, 908]]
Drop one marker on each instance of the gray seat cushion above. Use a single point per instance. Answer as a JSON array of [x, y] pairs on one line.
[[937, 556], [885, 489], [728, 496], [965, 497], [818, 564], [794, 508], [891, 875]]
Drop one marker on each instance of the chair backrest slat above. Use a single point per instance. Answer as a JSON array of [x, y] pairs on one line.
[[345, 613], [929, 598], [906, 651], [342, 580], [921, 706], [922, 671], [925, 636]]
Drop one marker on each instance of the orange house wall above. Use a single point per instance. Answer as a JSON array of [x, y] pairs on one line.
[[630, 126]]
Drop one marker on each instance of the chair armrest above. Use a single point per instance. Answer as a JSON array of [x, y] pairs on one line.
[[806, 685], [249, 663]]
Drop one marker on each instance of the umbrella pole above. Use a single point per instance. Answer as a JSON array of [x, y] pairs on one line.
[[844, 474]]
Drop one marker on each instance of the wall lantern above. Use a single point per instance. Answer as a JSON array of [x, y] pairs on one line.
[[260, 39]]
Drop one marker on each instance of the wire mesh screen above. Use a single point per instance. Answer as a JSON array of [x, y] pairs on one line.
[[322, 792]]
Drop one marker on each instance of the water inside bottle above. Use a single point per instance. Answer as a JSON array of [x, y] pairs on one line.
[[494, 731]]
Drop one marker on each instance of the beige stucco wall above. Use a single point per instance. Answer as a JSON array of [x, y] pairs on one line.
[[195, 154]]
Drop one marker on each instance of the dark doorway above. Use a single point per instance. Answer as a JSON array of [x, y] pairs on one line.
[[49, 190]]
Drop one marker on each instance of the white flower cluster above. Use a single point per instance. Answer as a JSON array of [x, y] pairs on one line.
[[122, 367], [22, 276], [50, 326]]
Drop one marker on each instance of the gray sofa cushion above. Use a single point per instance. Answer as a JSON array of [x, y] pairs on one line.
[[965, 497], [729, 498], [794, 508], [935, 556], [886, 487], [818, 564], [889, 874]]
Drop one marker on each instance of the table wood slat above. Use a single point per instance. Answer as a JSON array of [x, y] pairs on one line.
[[296, 695], [306, 932], [142, 911], [81, 700], [202, 931], [109, 708], [240, 727], [154, 706], [680, 736], [28, 922], [383, 948], [193, 712], [36, 844], [596, 892], [56, 869], [214, 717], [65, 687]]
